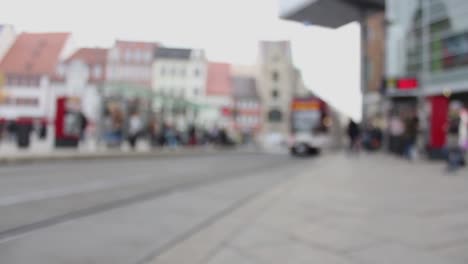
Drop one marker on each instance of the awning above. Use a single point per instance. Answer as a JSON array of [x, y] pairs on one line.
[[328, 13]]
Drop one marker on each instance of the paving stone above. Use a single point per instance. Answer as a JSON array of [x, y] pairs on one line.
[[396, 253]]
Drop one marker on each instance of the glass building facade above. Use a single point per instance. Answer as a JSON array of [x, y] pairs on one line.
[[428, 39]]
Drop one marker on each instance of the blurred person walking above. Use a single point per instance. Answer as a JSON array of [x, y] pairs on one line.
[[463, 130], [354, 133], [457, 151], [134, 130], [396, 130], [170, 136], [83, 125], [411, 136]]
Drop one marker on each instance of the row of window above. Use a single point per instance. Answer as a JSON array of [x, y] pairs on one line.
[[247, 105], [27, 81], [248, 120], [132, 56], [127, 72], [95, 71], [22, 101], [173, 91], [174, 71]]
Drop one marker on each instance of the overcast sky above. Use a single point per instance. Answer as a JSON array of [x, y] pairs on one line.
[[229, 30]]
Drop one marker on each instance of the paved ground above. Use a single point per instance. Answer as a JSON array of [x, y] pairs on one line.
[[125, 210], [340, 209], [234, 208]]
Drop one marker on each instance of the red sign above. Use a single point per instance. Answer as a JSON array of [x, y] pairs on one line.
[[226, 111], [407, 83]]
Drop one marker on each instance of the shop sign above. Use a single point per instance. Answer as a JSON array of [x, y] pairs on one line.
[[407, 83]]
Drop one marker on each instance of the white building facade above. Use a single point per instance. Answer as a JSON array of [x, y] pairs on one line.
[[179, 81]]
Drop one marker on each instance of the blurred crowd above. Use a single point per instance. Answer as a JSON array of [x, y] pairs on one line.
[[117, 130]]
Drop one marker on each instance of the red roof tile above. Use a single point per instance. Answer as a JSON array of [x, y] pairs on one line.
[[34, 53], [92, 57], [218, 79]]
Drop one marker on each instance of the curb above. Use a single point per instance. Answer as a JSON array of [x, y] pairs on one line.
[[83, 156]]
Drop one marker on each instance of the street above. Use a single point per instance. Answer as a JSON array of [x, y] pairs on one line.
[[234, 207], [123, 211]]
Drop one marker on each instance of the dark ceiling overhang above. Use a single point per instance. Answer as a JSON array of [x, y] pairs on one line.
[[328, 13]]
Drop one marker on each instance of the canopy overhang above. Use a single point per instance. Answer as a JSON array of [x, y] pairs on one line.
[[328, 13]]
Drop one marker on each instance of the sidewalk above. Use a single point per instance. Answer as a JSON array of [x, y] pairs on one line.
[[367, 209]]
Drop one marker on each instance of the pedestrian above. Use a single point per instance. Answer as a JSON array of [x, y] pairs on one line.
[[411, 136], [83, 125], [170, 136], [154, 132], [192, 136], [463, 130], [134, 130], [396, 130], [354, 133]]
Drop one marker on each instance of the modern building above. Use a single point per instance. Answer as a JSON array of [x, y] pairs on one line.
[[179, 80], [428, 45], [277, 81], [247, 108], [375, 60], [7, 37], [32, 71]]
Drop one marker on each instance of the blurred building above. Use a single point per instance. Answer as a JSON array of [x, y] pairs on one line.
[[375, 60], [428, 45], [129, 68], [7, 37], [179, 80], [277, 81], [32, 72], [217, 102], [247, 107], [85, 77]]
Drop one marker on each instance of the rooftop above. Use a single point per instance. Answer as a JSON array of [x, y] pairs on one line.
[[34, 53], [90, 56]]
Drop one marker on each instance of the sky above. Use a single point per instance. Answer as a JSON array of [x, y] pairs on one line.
[[229, 31]]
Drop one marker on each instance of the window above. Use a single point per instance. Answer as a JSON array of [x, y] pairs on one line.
[[196, 91], [275, 115], [275, 76], [162, 71], [97, 71], [173, 71], [370, 34], [370, 70], [138, 56], [128, 55], [196, 72], [147, 56], [182, 72], [114, 55], [274, 93], [27, 101]]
